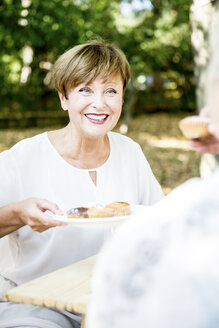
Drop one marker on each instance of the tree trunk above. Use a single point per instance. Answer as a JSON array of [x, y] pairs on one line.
[[201, 16]]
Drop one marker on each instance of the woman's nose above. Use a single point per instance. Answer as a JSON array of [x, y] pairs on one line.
[[98, 101]]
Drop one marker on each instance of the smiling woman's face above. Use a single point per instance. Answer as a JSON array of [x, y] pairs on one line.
[[95, 108]]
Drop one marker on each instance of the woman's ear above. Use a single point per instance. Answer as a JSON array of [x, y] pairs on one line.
[[63, 101]]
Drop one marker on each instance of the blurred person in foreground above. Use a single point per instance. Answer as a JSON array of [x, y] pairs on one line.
[[81, 163], [162, 270], [209, 147]]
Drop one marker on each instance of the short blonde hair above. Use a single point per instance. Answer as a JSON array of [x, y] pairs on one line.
[[87, 61]]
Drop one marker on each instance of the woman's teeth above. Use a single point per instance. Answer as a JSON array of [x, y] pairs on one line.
[[97, 117]]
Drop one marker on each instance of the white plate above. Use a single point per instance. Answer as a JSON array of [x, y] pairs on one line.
[[101, 222]]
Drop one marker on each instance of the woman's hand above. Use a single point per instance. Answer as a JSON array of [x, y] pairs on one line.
[[208, 145], [29, 212], [32, 212]]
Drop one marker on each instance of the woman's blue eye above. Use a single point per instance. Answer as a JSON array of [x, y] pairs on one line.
[[85, 90], [111, 91]]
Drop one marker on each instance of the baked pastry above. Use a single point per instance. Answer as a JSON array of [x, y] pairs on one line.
[[194, 127], [120, 208], [100, 212], [77, 213], [110, 210], [89, 212]]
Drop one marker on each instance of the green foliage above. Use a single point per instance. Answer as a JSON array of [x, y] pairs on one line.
[[156, 42]]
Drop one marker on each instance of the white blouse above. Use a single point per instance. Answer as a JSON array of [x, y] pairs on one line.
[[33, 168]]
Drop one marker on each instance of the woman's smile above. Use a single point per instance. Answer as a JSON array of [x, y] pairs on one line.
[[97, 118]]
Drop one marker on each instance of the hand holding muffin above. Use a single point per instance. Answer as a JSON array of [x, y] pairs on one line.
[[207, 142]]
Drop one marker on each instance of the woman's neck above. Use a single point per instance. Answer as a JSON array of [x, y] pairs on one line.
[[86, 153]]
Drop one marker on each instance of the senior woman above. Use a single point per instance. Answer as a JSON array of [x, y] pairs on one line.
[[80, 163]]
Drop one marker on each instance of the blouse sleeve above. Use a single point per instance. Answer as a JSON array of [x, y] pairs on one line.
[[150, 190], [9, 181]]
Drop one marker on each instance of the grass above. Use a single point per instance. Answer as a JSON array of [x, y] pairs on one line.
[[168, 153]]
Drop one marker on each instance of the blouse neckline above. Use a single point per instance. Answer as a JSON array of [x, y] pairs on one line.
[[74, 167]]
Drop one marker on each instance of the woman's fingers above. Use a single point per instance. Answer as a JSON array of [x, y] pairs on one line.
[[45, 205], [33, 213], [208, 145]]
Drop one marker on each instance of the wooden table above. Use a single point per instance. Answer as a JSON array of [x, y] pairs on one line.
[[67, 289]]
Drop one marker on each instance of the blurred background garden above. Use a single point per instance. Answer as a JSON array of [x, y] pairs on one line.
[[156, 38]]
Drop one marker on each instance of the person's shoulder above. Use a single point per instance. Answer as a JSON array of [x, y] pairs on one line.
[[182, 199], [185, 192], [38, 138], [196, 187], [27, 144], [119, 138]]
